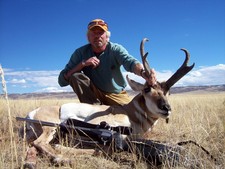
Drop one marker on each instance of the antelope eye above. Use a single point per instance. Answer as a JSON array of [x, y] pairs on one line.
[[148, 89]]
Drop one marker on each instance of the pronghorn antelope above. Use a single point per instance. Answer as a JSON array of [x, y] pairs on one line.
[[141, 113]]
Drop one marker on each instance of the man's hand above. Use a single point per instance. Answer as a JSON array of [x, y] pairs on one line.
[[93, 61], [151, 79]]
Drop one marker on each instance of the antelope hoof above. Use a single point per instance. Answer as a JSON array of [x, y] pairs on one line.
[[61, 161], [29, 165], [31, 159]]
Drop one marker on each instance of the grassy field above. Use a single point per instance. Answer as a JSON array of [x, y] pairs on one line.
[[196, 117]]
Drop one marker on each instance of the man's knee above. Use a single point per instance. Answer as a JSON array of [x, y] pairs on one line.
[[79, 77]]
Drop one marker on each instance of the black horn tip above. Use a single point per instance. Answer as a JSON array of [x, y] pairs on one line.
[[185, 50], [187, 57], [145, 40], [146, 54], [192, 65]]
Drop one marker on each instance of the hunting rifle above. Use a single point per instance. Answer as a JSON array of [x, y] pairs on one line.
[[102, 133]]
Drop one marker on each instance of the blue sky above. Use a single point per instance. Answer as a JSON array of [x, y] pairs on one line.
[[37, 37]]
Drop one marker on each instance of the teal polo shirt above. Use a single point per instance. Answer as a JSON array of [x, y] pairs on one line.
[[107, 76]]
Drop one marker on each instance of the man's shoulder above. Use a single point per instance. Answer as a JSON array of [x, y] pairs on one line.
[[83, 50], [116, 46], [84, 47]]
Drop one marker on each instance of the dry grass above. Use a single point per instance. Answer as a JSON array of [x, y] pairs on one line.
[[195, 117]]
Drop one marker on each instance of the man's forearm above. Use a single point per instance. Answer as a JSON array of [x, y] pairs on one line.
[[138, 69], [77, 68]]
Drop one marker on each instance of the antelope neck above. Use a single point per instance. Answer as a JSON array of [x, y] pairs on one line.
[[139, 113]]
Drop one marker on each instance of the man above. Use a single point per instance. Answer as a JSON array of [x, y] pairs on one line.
[[93, 70]]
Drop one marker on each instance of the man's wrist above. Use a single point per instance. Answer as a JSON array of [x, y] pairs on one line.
[[83, 63], [66, 76]]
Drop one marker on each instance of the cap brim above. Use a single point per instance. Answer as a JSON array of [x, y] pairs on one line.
[[102, 27]]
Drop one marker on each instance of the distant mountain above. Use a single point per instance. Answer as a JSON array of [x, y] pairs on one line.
[[198, 89], [72, 95], [52, 95]]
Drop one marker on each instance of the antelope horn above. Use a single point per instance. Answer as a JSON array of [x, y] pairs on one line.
[[182, 71], [144, 56]]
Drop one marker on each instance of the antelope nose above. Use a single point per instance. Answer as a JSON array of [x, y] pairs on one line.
[[164, 105], [167, 107]]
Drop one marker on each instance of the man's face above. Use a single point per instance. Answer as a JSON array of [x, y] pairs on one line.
[[97, 37]]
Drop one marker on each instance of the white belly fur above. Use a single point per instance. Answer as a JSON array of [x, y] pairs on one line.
[[79, 111]]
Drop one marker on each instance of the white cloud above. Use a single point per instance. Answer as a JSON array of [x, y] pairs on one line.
[[18, 81], [47, 81], [53, 89], [43, 81], [213, 75]]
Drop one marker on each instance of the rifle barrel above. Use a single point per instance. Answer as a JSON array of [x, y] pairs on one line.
[[43, 123]]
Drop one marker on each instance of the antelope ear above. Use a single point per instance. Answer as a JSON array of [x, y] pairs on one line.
[[164, 88], [134, 85]]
